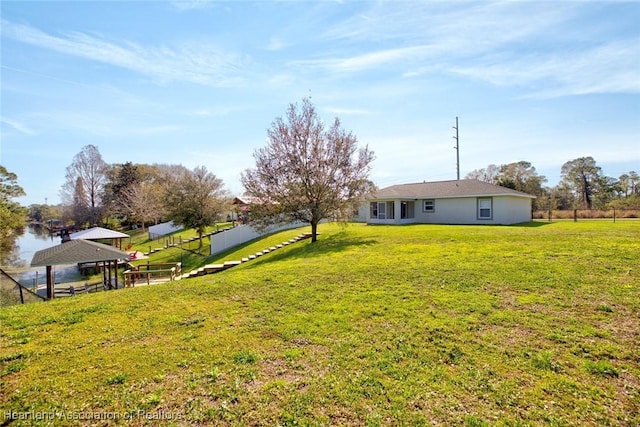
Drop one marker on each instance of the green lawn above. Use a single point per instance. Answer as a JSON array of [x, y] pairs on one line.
[[371, 325], [190, 254]]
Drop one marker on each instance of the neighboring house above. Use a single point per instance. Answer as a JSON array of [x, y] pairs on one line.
[[466, 201], [242, 206]]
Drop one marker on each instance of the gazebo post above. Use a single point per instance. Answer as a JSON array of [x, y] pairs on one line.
[[51, 293], [108, 263], [115, 264]]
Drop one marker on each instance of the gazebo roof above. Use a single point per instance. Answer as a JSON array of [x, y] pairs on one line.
[[97, 233], [77, 251]]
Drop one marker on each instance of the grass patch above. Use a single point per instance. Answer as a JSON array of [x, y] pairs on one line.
[[544, 360], [116, 379], [410, 325], [245, 357], [602, 368], [605, 308]]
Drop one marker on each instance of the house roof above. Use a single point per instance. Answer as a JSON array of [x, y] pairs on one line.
[[76, 251], [97, 233], [246, 200], [447, 189]]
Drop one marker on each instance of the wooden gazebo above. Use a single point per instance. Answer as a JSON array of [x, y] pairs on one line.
[[99, 233], [78, 252]]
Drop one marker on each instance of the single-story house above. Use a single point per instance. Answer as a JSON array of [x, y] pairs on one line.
[[466, 201]]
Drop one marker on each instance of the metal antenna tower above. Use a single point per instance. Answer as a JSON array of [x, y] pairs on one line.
[[457, 147]]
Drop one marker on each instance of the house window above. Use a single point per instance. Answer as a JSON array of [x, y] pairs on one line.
[[373, 210], [428, 205], [382, 210], [407, 210], [485, 208]]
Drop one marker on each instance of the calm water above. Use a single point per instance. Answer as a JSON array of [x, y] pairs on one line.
[[34, 239]]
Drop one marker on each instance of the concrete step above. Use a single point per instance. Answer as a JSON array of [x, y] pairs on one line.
[[212, 268]]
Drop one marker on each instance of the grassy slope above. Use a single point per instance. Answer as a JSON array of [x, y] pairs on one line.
[[190, 254], [371, 325]]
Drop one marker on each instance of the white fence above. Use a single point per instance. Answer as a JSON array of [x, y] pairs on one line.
[[156, 231], [241, 234]]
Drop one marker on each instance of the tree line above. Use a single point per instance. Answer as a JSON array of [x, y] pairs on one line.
[[582, 185], [96, 193], [307, 172]]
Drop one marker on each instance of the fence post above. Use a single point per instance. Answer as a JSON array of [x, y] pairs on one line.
[[549, 215], [614, 214], [575, 215]]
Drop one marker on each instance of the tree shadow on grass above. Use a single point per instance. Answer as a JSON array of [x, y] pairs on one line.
[[305, 249], [531, 224]]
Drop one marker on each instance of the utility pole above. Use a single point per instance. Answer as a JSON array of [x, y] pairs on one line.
[[457, 147]]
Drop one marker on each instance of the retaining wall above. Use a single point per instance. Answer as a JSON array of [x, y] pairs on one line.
[[220, 242]]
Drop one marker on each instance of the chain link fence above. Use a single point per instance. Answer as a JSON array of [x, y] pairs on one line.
[[13, 292]]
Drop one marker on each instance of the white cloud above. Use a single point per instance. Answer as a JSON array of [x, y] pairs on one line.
[[429, 36], [184, 5], [17, 126], [206, 65], [365, 61], [216, 111], [526, 45], [610, 68], [347, 111], [472, 27], [275, 44], [100, 124]]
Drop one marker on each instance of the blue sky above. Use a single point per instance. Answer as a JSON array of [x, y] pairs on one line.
[[200, 82]]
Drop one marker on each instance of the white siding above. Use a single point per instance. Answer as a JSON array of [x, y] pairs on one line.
[[463, 210], [511, 210], [449, 211], [363, 213]]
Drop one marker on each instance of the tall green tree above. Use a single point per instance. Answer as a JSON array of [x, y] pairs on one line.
[[195, 199], [634, 183], [607, 191], [307, 172], [12, 214], [489, 174], [522, 176], [628, 183], [85, 180], [583, 176], [623, 185], [80, 209], [120, 177], [44, 212]]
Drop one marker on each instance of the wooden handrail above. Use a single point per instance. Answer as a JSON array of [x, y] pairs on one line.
[[131, 276]]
